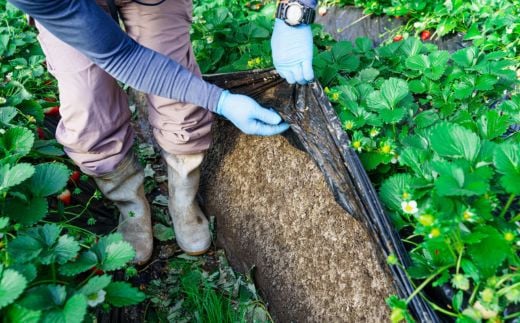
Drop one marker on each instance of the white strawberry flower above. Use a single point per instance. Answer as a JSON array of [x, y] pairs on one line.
[[97, 298], [409, 207]]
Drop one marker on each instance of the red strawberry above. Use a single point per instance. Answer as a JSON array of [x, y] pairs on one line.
[[52, 111], [398, 38], [41, 133], [426, 34], [64, 197], [74, 177], [97, 271]]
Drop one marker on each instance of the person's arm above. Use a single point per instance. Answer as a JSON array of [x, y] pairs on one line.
[[85, 26], [292, 49]]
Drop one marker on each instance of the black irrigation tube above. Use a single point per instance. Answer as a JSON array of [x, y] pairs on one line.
[[318, 129]]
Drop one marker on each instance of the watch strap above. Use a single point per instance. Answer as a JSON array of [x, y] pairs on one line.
[[309, 14]]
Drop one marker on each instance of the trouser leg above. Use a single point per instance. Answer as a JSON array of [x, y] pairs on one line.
[[96, 134], [95, 120], [183, 130], [179, 127]]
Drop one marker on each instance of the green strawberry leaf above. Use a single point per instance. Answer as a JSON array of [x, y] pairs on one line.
[[490, 252], [44, 297], [95, 284], [457, 181], [393, 91], [65, 249], [492, 125], [121, 294], [162, 232], [28, 270], [118, 254], [16, 313], [25, 248], [12, 284], [74, 310], [465, 57], [49, 178], [418, 62], [454, 141], [411, 46], [368, 75], [486, 82], [85, 261], [393, 188], [16, 143], [7, 114], [12, 176], [26, 212], [507, 162]]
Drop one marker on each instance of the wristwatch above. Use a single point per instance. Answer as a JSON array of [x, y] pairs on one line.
[[295, 13]]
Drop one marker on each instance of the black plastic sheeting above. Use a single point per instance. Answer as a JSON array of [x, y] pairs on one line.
[[315, 123]]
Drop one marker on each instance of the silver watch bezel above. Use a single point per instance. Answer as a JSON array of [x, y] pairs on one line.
[[302, 13]]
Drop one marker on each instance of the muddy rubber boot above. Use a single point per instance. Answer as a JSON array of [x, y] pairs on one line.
[[125, 187], [189, 223]]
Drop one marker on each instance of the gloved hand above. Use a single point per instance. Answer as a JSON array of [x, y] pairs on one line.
[[249, 116], [292, 52]]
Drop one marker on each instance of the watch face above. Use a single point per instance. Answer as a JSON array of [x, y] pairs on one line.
[[293, 13]]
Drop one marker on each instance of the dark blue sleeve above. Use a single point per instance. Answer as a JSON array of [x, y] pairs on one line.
[[85, 26], [310, 3]]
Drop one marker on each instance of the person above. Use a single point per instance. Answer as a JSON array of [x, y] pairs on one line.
[[87, 52]]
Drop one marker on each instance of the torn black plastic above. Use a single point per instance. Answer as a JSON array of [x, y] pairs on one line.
[[316, 126]]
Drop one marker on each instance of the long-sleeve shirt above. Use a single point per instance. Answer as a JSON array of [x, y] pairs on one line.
[[85, 26]]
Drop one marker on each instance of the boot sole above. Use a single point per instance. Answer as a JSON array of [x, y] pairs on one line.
[[196, 253]]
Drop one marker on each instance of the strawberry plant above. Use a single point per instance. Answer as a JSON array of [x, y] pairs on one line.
[[490, 25], [435, 132], [48, 269]]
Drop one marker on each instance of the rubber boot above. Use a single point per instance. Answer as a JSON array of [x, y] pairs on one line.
[[189, 223], [125, 187]]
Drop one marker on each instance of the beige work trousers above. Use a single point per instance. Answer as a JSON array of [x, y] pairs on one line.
[[95, 125]]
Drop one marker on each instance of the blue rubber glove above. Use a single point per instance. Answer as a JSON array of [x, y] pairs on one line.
[[249, 116], [292, 52]]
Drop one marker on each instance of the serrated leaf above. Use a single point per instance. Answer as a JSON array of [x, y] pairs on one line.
[[454, 141], [95, 284], [411, 46], [84, 262], [26, 212], [368, 75], [17, 313], [12, 176], [25, 248], [417, 86], [162, 232], [7, 114], [75, 308], [376, 102], [118, 254], [492, 125], [44, 297], [507, 162], [456, 181], [16, 142], [121, 294], [49, 178], [66, 249], [465, 57], [394, 90], [392, 189], [3, 222], [371, 160], [364, 44], [12, 284], [392, 116], [486, 82], [426, 118], [418, 62], [415, 159], [28, 270], [490, 252]]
